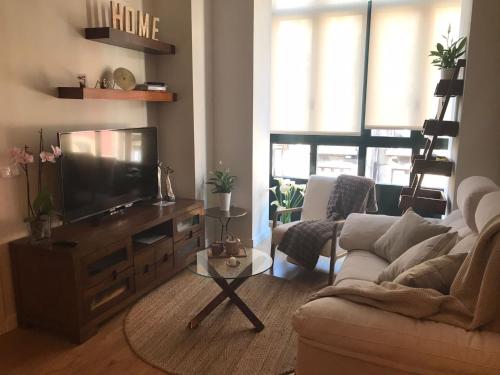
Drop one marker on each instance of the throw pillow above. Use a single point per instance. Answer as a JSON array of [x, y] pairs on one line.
[[430, 248], [408, 231], [437, 273], [465, 245]]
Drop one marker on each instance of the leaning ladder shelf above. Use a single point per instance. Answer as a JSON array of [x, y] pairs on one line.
[[432, 201]]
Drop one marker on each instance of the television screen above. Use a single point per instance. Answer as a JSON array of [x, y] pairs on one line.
[[105, 169]]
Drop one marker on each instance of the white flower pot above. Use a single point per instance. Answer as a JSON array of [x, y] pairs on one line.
[[224, 201], [447, 73]]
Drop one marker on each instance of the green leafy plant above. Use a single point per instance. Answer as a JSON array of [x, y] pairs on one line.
[[222, 181], [446, 57], [288, 194]]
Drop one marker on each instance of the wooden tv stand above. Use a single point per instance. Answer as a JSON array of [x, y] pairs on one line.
[[72, 289]]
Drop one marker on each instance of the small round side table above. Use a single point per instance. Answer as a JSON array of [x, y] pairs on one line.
[[225, 217]]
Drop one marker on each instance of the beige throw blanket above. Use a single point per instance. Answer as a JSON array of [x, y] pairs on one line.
[[474, 296]]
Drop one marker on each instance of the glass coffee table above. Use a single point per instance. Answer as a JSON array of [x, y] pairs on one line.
[[255, 263]]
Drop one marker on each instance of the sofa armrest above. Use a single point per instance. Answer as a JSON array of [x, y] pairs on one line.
[[360, 231]]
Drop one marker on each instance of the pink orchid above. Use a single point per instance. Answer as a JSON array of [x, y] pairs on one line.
[[47, 157], [20, 156], [56, 151]]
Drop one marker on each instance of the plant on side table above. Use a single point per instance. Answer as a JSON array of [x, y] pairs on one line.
[[445, 58], [41, 208], [223, 184], [288, 194]]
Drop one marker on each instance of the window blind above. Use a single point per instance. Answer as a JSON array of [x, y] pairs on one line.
[[401, 79], [318, 53], [318, 63]]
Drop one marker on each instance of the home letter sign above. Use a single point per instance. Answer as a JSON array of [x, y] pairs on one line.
[[125, 18]]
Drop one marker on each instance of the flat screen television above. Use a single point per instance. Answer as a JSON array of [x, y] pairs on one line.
[[102, 170]]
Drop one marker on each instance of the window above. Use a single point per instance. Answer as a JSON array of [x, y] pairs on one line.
[[291, 160], [337, 160], [390, 166], [350, 106], [318, 55]]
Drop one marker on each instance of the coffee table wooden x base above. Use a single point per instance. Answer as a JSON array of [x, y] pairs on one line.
[[228, 291]]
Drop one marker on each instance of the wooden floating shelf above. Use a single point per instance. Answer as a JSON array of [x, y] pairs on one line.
[[457, 87], [435, 167], [112, 94], [114, 37], [440, 129], [428, 201]]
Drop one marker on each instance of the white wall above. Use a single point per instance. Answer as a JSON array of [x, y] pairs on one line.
[[232, 80], [261, 119], [176, 120], [476, 151]]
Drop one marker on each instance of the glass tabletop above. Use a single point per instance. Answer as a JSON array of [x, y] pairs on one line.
[[216, 212], [254, 263]]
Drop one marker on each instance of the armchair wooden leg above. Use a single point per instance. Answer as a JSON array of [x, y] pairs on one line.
[[273, 253]]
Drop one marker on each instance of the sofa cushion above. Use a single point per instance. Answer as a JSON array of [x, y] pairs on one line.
[[465, 245], [457, 224], [469, 193], [360, 265], [430, 248], [360, 231], [409, 230], [393, 340]]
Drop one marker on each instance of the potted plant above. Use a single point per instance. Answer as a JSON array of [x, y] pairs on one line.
[[38, 217], [288, 194], [445, 57], [223, 183]]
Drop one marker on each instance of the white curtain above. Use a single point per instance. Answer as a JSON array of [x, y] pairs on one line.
[[318, 53], [401, 79]]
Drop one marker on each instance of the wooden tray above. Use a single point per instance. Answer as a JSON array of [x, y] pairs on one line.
[[242, 254]]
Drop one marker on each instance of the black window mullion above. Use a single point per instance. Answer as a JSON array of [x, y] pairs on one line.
[[313, 159]]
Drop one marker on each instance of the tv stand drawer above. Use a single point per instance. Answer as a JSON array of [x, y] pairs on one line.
[[102, 297]]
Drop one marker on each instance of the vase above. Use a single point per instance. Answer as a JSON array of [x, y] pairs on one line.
[[39, 228], [447, 73], [224, 201]]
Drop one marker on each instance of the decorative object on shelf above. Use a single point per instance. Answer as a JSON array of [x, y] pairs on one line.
[[124, 78], [233, 262], [232, 245], [40, 209], [151, 86], [82, 80], [287, 194], [217, 248], [168, 183], [223, 184], [170, 198], [127, 19], [446, 57], [159, 195], [9, 171]]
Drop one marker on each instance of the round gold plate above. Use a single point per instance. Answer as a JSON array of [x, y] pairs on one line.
[[124, 78]]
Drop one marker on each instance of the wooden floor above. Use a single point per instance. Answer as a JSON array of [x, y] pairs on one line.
[[30, 351]]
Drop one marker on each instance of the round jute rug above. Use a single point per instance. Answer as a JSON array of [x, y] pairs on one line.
[[225, 342]]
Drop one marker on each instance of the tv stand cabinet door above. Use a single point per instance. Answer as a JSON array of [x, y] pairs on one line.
[[104, 264], [188, 223]]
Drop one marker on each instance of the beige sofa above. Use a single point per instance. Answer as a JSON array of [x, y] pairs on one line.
[[336, 336]]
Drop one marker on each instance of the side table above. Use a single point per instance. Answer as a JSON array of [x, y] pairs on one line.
[[225, 217]]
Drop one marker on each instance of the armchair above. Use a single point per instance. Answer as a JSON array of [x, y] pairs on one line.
[[316, 199]]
